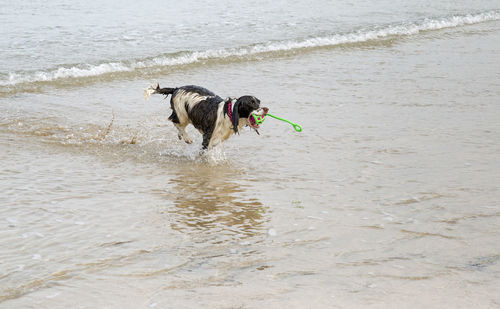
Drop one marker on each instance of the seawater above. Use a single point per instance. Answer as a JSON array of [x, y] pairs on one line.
[[387, 198]]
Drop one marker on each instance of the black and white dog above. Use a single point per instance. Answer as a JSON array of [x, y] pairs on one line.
[[215, 118]]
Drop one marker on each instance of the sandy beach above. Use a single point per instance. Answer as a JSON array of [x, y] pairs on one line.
[[388, 198]]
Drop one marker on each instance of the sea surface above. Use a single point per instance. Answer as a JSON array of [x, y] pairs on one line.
[[388, 198]]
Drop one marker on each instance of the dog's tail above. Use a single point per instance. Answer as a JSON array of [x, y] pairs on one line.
[[156, 89]]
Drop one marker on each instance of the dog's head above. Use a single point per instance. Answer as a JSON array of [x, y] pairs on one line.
[[243, 108]]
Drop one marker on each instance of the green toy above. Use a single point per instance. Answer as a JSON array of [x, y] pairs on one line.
[[258, 119]]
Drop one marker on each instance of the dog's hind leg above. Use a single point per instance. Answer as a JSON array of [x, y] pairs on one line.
[[182, 132], [180, 127]]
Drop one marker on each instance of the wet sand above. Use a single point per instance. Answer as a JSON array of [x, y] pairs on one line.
[[387, 199]]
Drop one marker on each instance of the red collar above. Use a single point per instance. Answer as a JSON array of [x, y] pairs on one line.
[[230, 111]]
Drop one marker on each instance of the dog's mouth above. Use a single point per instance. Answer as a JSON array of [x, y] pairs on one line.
[[257, 117]]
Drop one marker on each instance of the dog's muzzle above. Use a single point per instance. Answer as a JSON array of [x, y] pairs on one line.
[[257, 117]]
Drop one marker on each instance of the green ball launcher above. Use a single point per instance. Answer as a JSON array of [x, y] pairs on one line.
[[259, 119]]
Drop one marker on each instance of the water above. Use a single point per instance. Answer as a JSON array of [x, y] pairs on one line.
[[388, 198]]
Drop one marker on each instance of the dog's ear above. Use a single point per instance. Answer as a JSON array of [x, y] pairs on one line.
[[236, 115]]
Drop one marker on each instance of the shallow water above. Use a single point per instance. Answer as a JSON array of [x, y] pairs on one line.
[[388, 198]]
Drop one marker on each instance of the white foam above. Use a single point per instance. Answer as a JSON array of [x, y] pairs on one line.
[[272, 232], [11, 220], [63, 72], [377, 33], [384, 32], [53, 295]]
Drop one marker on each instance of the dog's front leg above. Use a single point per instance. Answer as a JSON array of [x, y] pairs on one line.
[[214, 142], [206, 140]]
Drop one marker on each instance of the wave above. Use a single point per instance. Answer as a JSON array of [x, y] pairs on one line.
[[142, 66]]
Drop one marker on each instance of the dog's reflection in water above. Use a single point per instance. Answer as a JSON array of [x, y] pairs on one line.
[[210, 199]]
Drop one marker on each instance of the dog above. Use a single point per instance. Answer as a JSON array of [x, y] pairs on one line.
[[216, 119]]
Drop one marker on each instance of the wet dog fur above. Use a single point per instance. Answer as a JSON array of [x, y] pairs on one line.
[[215, 118]]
